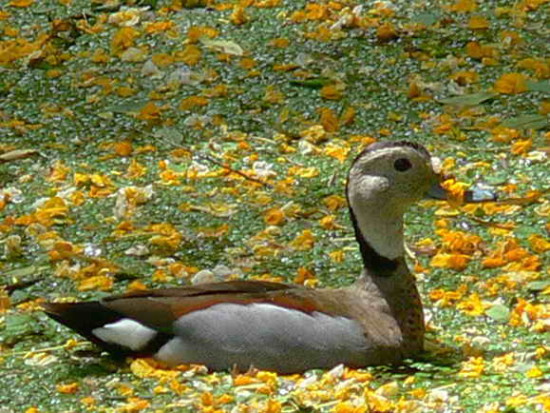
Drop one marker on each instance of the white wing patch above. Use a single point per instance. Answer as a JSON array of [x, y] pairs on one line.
[[126, 333]]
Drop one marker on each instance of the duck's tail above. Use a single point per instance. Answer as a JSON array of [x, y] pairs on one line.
[[87, 319]]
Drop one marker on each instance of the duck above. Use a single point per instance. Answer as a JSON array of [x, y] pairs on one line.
[[287, 329]]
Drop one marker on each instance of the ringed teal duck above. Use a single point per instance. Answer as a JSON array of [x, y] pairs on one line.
[[288, 328]]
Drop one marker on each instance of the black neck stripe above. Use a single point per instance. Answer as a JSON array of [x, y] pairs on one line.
[[374, 263]]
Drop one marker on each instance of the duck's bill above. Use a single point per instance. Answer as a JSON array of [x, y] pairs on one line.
[[470, 196]]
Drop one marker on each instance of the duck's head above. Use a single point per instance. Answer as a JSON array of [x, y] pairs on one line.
[[391, 176], [384, 180]]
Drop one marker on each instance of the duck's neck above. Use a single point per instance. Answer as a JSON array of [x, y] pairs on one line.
[[380, 238]]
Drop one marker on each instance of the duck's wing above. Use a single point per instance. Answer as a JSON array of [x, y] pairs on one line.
[[153, 309], [268, 325], [138, 316]]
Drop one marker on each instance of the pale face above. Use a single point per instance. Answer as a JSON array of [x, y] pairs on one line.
[[389, 179]]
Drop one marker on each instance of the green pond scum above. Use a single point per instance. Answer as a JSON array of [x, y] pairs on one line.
[[159, 143]]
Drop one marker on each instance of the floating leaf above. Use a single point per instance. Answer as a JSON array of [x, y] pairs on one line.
[[18, 325], [537, 286], [511, 83], [316, 83], [468, 100], [169, 134], [425, 18], [25, 271], [127, 107], [224, 46], [532, 121], [17, 154], [499, 313]]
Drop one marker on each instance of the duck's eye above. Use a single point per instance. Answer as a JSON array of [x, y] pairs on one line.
[[402, 164]]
